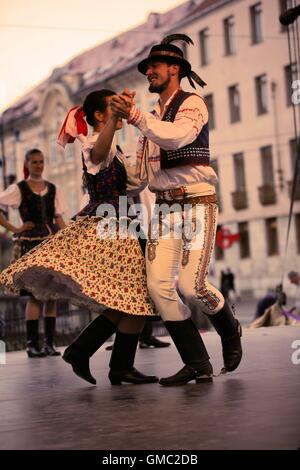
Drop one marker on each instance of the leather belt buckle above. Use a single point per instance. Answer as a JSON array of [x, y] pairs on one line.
[[178, 193], [170, 194]]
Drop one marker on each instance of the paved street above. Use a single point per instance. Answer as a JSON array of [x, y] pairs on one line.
[[43, 405]]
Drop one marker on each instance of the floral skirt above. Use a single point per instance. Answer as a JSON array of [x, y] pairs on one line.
[[90, 271], [20, 248]]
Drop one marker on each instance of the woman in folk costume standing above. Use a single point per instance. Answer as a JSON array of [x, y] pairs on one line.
[[105, 274], [41, 207]]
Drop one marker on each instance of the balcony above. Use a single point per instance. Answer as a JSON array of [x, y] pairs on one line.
[[267, 194], [239, 200], [290, 184]]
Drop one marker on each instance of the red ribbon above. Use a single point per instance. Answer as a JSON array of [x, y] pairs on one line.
[[73, 125], [25, 171], [82, 127]]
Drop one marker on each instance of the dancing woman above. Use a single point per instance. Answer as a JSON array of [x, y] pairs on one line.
[[107, 275]]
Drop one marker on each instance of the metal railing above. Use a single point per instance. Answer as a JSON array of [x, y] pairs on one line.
[[70, 321]]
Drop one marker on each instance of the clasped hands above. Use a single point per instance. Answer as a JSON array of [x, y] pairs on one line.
[[121, 104]]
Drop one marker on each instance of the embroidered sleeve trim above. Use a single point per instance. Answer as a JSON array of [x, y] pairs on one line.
[[135, 116]]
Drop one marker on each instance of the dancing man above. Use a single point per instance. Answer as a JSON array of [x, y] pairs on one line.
[[173, 155]]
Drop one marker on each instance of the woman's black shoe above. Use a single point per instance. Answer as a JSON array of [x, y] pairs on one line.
[[80, 364], [132, 376], [33, 351], [32, 333], [86, 344], [49, 350], [188, 373], [153, 342]]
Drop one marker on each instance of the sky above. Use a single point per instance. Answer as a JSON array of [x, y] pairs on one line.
[[37, 36]]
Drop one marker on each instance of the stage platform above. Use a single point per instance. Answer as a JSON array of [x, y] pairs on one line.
[[43, 405]]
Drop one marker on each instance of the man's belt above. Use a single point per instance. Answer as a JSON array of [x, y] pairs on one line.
[[208, 199], [171, 194]]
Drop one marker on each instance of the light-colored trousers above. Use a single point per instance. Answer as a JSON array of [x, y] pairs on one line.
[[181, 264]]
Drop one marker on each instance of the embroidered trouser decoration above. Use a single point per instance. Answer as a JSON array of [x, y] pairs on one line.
[[208, 295], [177, 274]]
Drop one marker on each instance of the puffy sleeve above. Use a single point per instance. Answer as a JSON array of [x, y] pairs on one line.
[[11, 197], [84, 201], [87, 147], [191, 116], [60, 203]]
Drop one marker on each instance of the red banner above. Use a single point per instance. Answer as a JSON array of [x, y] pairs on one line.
[[225, 238]]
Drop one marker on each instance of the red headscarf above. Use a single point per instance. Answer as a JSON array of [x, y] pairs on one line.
[[25, 171], [74, 126]]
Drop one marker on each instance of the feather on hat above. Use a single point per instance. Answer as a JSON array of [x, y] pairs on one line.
[[167, 52]]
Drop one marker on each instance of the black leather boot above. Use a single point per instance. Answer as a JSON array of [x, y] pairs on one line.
[[48, 348], [32, 332], [153, 342], [147, 340], [122, 360], [193, 353], [230, 330], [86, 344]]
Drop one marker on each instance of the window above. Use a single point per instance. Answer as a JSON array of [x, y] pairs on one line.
[[256, 23], [204, 46], [239, 171], [214, 165], [10, 168], [53, 149], [261, 94], [11, 163], [234, 103], [266, 159], [219, 252], [297, 226], [229, 44], [244, 240], [272, 237], [290, 73], [115, 43], [209, 101], [69, 153], [267, 193], [155, 19], [284, 5], [72, 200]]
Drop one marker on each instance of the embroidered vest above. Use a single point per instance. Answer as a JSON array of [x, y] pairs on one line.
[[196, 153], [105, 187], [38, 209], [35, 208]]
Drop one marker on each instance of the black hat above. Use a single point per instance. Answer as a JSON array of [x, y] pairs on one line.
[[166, 52]]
